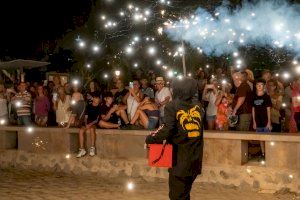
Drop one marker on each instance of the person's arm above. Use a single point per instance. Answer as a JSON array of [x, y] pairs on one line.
[[219, 98], [295, 102], [253, 117], [278, 103], [124, 98], [167, 99], [204, 94], [139, 97], [240, 102], [269, 124], [168, 129], [47, 104], [110, 112]]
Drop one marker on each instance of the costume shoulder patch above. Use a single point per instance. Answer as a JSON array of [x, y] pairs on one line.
[[190, 121]]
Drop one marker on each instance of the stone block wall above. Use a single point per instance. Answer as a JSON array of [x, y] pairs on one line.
[[122, 153]]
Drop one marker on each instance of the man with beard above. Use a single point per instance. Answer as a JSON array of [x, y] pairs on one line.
[[184, 130]]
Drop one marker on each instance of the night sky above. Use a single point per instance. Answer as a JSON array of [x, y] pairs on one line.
[[25, 24]]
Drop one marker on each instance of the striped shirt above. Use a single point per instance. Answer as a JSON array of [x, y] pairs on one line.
[[23, 103]]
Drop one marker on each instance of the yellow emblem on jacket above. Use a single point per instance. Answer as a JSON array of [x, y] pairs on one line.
[[190, 121]]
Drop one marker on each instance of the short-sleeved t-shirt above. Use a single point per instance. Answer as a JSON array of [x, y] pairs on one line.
[[105, 109], [260, 104], [243, 90], [119, 96], [93, 113]]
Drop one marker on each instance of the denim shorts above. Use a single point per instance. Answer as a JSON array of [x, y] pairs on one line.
[[262, 130], [152, 123], [212, 117]]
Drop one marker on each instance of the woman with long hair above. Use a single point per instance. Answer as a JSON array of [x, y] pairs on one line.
[[41, 107], [147, 114]]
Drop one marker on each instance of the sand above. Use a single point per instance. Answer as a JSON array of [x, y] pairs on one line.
[[20, 184]]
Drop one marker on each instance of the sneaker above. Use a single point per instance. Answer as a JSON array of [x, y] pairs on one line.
[[92, 151], [81, 153]]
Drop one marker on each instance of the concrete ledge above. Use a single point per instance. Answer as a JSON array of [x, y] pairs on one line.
[[220, 148], [8, 139]]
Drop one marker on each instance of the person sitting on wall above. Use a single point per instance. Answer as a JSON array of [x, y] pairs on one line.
[[92, 112], [111, 114]]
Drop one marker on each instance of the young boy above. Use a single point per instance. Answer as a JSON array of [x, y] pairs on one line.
[[110, 113], [91, 120], [261, 111]]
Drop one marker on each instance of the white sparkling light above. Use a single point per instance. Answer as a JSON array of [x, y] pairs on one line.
[[272, 143], [151, 50], [129, 50], [235, 54], [286, 75], [2, 121], [75, 82], [283, 105], [239, 62], [158, 62], [105, 76], [68, 156], [18, 104], [170, 73], [117, 72], [130, 186], [81, 44], [29, 129]]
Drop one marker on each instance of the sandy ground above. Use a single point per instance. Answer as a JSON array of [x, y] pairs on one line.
[[17, 184]]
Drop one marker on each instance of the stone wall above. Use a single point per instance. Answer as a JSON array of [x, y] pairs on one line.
[[122, 153]]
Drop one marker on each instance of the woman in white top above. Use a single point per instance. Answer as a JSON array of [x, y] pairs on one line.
[[62, 105], [210, 93], [134, 97]]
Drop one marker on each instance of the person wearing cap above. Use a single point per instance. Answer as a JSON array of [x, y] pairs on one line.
[[162, 97], [184, 131]]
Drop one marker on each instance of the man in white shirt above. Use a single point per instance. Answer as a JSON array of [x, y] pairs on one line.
[[162, 96]]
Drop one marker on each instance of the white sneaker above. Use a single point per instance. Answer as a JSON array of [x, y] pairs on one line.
[[92, 151], [81, 153]]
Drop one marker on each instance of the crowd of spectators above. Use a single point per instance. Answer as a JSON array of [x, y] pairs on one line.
[[232, 100]]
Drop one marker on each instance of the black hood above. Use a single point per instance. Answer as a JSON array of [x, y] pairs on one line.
[[184, 89]]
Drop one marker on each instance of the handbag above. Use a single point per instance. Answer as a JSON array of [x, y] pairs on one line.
[[160, 155]]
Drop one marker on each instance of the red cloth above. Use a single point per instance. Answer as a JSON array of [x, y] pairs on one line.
[[296, 94], [162, 157]]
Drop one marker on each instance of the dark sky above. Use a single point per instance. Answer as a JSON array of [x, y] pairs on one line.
[[25, 23]]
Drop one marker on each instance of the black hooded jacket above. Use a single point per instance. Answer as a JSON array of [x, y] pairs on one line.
[[183, 129]]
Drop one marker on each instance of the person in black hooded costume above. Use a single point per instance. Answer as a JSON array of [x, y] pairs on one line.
[[184, 130]]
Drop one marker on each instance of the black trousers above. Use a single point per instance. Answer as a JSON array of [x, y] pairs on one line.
[[180, 187]]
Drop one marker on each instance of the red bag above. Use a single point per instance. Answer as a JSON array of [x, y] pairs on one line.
[[160, 155]]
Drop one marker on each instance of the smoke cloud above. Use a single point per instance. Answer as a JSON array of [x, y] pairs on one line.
[[266, 23]]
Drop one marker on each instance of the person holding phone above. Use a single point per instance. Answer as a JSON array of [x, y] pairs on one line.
[[210, 93], [133, 98]]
